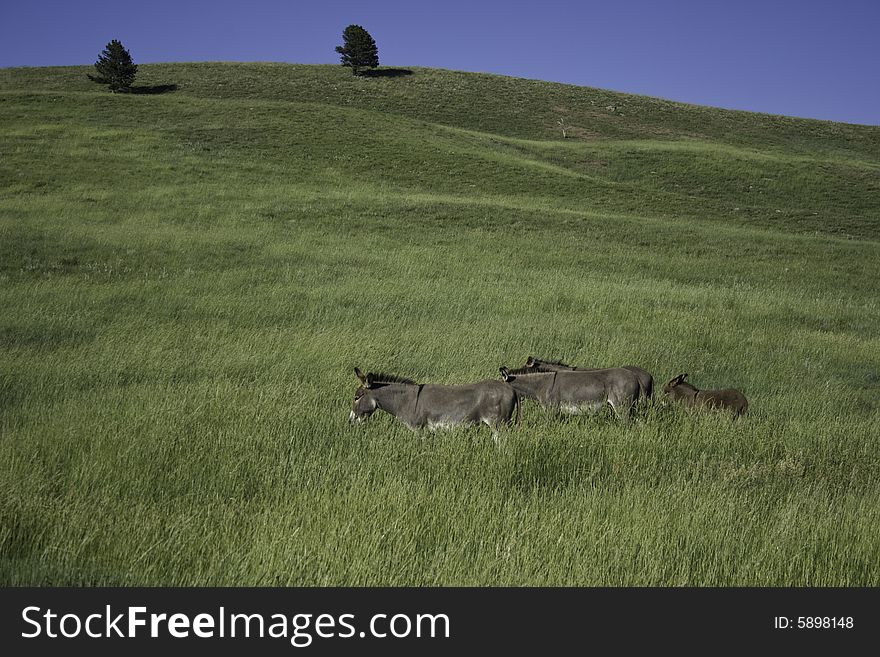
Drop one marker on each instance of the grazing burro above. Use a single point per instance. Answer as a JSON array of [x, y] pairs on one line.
[[435, 406], [646, 381], [684, 393], [577, 391]]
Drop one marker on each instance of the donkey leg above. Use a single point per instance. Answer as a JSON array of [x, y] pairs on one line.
[[621, 407], [499, 429]]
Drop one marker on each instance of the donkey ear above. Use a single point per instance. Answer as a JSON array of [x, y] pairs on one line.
[[360, 375], [682, 377], [505, 374], [530, 362], [368, 381]]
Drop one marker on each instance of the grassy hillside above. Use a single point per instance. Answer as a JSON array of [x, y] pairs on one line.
[[188, 277]]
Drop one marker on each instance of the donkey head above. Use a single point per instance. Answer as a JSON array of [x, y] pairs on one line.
[[672, 383], [532, 365], [364, 401]]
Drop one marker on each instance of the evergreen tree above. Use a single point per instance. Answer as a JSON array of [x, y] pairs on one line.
[[358, 49], [115, 68]]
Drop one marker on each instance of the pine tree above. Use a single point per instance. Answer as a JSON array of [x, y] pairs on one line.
[[358, 50], [115, 68]]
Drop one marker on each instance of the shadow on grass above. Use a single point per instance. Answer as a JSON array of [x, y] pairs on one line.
[[154, 89], [387, 73]]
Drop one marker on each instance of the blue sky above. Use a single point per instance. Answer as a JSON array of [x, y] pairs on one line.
[[808, 58]]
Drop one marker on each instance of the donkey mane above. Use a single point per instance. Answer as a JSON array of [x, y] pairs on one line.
[[544, 361], [380, 378], [525, 370]]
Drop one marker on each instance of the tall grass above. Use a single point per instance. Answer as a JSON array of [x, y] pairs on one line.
[[187, 280]]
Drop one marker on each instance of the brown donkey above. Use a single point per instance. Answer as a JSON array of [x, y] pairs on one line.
[[728, 399]]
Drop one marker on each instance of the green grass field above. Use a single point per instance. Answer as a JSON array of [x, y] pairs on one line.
[[188, 278]]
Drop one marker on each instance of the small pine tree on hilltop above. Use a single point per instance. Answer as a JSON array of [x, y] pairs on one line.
[[115, 68], [358, 49]]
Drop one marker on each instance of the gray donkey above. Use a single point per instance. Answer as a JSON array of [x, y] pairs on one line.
[[434, 406], [646, 381], [578, 391], [728, 399]]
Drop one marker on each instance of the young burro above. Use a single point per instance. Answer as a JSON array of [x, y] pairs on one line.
[[435, 406], [646, 381], [579, 391], [728, 399]]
